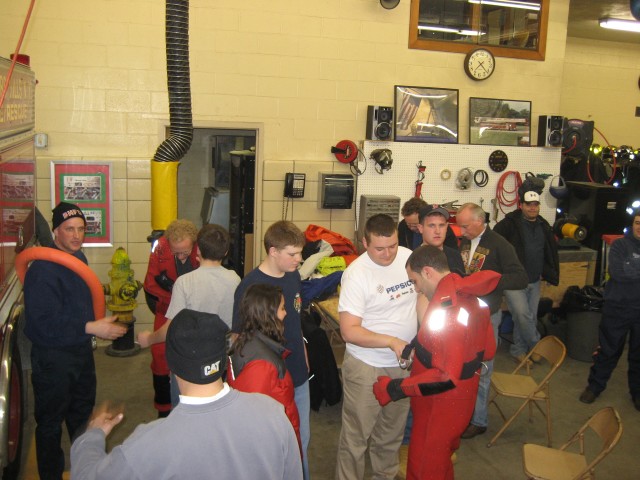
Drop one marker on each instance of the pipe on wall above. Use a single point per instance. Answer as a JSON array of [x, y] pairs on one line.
[[164, 165]]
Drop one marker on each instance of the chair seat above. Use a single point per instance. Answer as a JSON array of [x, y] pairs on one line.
[[544, 463], [515, 385]]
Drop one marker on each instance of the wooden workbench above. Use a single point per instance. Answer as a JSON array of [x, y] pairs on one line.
[[330, 322], [577, 267]]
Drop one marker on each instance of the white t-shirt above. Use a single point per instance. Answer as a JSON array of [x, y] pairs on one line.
[[385, 299], [206, 289]]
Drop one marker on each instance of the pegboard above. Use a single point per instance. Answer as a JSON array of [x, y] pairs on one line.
[[401, 179]]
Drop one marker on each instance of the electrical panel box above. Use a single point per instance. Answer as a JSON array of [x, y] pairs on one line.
[[335, 190], [371, 205]]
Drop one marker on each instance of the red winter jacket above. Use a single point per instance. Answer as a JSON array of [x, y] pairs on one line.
[[260, 368], [162, 260]]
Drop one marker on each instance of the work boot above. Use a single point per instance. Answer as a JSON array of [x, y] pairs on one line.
[[473, 431], [519, 358], [589, 397], [536, 358]]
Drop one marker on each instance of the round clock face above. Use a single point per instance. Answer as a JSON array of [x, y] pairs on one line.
[[479, 64]]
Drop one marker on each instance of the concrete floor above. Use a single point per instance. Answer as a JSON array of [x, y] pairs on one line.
[[129, 380]]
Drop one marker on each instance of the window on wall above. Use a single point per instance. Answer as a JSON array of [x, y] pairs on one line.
[[509, 28]]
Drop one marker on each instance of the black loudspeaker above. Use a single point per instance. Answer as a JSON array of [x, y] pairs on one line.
[[550, 130], [601, 209], [577, 137], [379, 123]]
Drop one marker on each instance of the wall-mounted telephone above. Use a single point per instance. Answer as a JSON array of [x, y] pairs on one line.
[[294, 185]]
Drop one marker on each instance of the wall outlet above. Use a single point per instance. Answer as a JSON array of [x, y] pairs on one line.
[[41, 140]]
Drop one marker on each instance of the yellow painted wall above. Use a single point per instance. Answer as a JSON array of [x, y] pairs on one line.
[[600, 83], [300, 71]]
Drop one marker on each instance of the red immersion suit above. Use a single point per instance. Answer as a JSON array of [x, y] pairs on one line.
[[162, 261], [455, 337]]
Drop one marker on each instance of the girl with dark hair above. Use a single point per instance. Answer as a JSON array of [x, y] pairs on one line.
[[256, 359]]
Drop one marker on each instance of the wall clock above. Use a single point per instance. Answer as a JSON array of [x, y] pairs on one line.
[[498, 160], [479, 64]]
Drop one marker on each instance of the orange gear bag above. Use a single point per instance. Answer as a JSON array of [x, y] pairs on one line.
[[341, 244]]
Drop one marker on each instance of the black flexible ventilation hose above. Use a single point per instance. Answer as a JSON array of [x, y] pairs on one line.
[[181, 121]]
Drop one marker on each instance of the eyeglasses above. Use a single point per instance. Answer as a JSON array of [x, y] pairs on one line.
[[186, 253]]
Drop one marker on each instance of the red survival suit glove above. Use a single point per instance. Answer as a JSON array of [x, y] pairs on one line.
[[388, 390]]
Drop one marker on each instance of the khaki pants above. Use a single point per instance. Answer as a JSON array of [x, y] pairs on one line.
[[366, 423]]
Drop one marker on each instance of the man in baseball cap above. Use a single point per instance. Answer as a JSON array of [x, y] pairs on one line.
[[434, 226], [537, 249]]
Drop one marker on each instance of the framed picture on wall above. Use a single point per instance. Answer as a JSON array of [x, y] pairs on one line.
[[493, 121], [428, 115], [87, 185]]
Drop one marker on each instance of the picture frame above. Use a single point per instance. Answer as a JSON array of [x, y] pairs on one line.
[[495, 121], [425, 114], [87, 185], [17, 178]]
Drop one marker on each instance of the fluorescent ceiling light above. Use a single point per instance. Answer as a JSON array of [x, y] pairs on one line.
[[459, 31], [620, 24], [509, 4]]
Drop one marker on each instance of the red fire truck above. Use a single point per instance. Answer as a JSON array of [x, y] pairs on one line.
[[17, 226]]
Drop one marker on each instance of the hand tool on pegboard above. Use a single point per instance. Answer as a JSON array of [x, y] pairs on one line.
[[421, 170]]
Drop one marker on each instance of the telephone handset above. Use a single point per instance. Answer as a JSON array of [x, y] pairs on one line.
[[294, 185]]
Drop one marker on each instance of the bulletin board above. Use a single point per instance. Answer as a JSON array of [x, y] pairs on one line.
[[87, 185], [401, 179]]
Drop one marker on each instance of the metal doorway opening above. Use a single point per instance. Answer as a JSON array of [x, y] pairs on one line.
[[216, 184]]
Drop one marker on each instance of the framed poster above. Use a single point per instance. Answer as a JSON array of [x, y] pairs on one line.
[[87, 185], [17, 187], [493, 121], [428, 115]]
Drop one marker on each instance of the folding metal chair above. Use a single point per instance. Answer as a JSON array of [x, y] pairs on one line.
[[520, 384], [542, 463]]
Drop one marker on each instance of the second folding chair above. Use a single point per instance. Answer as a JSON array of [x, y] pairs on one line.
[[549, 352]]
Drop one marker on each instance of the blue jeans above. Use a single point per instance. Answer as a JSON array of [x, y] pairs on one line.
[[303, 402], [480, 414], [523, 305]]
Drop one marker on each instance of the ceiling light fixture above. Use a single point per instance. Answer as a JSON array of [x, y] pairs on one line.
[[620, 24], [509, 4], [459, 31]]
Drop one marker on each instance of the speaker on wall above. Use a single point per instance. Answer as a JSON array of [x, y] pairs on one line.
[[379, 123], [550, 130], [577, 137]]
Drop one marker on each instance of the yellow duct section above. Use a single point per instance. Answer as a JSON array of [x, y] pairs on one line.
[[164, 194]]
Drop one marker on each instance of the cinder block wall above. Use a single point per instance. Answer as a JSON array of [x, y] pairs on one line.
[[303, 71]]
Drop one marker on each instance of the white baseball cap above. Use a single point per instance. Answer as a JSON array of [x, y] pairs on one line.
[[531, 197]]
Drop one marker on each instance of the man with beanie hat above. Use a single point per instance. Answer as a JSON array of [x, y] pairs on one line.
[[537, 249], [214, 431], [60, 325]]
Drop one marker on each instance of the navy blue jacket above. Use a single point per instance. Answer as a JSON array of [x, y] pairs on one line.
[[57, 305], [624, 268]]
